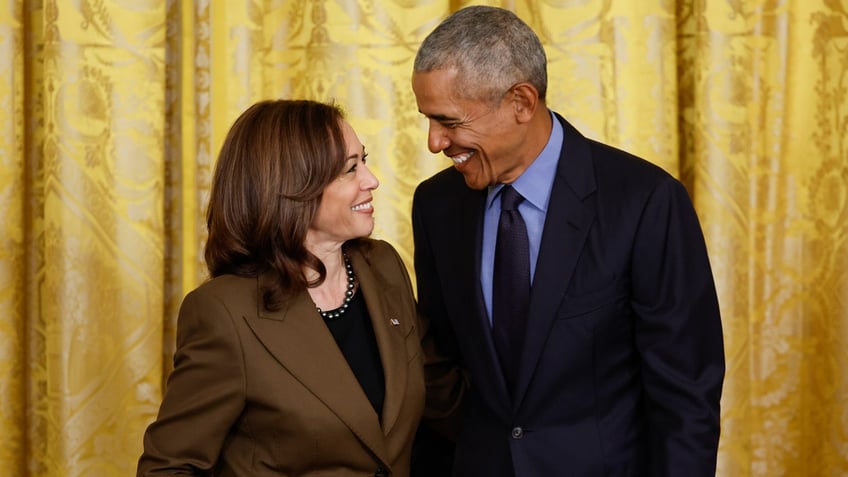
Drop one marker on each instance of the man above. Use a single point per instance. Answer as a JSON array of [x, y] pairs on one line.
[[607, 360]]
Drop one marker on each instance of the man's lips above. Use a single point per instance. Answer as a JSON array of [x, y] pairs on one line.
[[461, 158]]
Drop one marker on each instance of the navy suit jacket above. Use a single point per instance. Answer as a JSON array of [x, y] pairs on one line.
[[623, 361]]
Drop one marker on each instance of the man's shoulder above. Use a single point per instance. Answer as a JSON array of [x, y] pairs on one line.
[[604, 159], [624, 161], [446, 188], [448, 179]]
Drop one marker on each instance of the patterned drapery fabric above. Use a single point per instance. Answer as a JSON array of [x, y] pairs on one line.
[[111, 115]]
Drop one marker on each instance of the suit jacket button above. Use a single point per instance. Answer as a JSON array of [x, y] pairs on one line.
[[381, 472], [517, 432]]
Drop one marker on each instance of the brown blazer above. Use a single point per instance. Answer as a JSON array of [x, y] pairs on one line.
[[255, 393]]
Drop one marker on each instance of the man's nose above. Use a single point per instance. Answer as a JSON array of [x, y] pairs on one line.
[[437, 138]]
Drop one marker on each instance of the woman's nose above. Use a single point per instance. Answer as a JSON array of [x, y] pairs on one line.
[[370, 182]]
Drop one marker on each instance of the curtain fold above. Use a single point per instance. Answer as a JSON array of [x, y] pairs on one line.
[[13, 253], [113, 113]]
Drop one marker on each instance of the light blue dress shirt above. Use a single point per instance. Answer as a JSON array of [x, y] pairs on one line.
[[535, 186]]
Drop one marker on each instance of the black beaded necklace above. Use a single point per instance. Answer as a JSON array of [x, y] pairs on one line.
[[338, 312]]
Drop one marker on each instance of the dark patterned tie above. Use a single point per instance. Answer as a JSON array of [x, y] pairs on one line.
[[510, 285]]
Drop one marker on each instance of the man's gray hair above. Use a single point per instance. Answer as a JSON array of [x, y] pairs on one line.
[[490, 48]]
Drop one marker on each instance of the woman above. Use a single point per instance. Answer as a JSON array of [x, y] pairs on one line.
[[301, 356]]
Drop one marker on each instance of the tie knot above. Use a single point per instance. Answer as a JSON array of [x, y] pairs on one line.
[[510, 198]]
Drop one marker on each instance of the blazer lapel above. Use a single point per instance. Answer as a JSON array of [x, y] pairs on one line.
[[300, 341], [567, 225], [390, 339]]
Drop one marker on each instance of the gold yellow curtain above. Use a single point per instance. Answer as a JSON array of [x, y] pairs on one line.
[[111, 114]]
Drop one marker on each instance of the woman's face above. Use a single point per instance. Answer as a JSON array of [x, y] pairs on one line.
[[345, 211]]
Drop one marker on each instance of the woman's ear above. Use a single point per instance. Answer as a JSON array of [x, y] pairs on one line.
[[525, 100]]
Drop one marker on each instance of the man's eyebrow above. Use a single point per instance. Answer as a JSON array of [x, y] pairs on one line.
[[439, 117]]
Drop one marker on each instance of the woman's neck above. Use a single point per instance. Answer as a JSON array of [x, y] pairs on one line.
[[330, 294]]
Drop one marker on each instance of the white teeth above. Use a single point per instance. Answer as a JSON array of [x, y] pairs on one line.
[[460, 158], [365, 206]]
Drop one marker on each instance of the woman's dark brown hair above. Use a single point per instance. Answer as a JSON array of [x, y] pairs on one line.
[[273, 166]]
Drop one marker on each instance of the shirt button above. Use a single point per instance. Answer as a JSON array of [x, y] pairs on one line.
[[517, 432]]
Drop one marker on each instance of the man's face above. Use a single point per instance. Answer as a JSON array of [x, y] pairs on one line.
[[483, 140]]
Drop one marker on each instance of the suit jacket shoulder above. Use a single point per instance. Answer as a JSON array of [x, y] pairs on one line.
[[587, 166]]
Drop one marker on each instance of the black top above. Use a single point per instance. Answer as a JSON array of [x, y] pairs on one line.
[[355, 336]]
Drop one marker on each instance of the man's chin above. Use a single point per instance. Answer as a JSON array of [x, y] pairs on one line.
[[471, 173], [474, 182]]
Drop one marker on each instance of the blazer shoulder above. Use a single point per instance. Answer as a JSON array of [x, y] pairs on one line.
[[233, 291], [380, 255], [224, 283]]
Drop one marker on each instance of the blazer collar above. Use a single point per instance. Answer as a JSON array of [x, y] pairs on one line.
[[386, 317]]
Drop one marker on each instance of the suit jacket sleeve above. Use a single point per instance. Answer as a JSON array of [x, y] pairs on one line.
[[446, 384], [678, 335], [204, 396]]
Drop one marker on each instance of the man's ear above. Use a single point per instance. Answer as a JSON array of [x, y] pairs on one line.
[[525, 100]]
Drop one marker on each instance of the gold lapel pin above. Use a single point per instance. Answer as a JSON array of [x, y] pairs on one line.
[[395, 322]]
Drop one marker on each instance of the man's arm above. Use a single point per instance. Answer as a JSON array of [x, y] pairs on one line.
[[678, 335]]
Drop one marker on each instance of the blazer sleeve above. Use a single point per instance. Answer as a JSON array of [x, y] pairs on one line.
[[678, 335], [204, 396]]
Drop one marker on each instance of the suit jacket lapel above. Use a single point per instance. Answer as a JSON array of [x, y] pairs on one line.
[[304, 346], [472, 326], [567, 225]]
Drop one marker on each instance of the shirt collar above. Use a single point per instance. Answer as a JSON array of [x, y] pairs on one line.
[[535, 183]]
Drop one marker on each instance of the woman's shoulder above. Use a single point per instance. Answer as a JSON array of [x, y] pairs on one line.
[[218, 303], [379, 254], [373, 247], [225, 288]]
